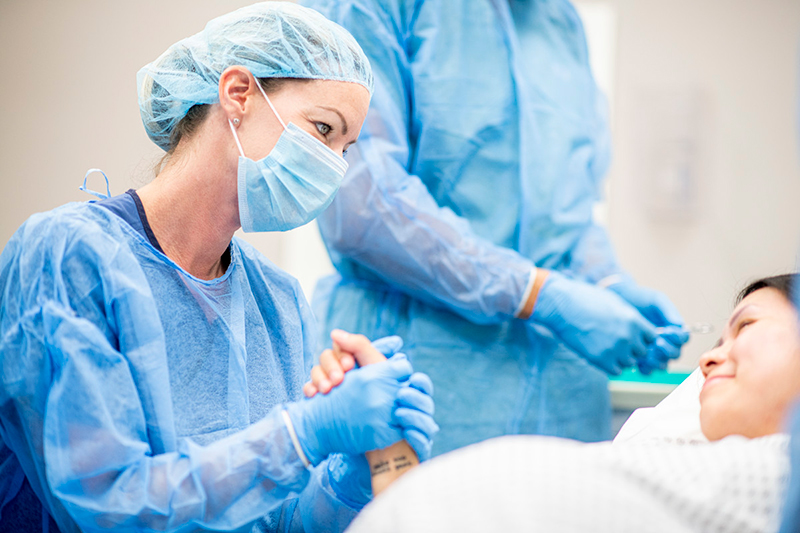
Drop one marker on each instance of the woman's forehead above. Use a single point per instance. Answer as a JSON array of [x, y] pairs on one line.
[[764, 297]]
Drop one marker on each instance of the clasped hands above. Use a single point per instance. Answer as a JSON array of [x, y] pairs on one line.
[[358, 400]]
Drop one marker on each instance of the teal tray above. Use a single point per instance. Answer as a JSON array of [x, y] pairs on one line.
[[659, 377]]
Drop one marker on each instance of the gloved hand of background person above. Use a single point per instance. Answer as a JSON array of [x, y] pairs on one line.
[[662, 313], [595, 322], [355, 417], [666, 347]]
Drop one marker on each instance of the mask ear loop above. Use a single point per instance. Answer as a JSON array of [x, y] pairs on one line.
[[269, 102], [260, 88], [236, 138]]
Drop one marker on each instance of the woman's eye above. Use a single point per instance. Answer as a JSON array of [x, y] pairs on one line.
[[743, 324], [323, 128]]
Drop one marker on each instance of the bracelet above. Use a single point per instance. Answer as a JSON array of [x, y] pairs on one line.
[[293, 435]]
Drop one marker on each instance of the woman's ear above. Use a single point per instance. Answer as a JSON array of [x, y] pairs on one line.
[[236, 88]]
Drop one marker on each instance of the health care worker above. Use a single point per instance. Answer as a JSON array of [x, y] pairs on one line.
[[464, 223], [152, 364]]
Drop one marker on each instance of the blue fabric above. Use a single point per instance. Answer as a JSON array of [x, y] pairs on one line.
[[791, 507], [21, 510], [129, 208], [482, 155], [271, 39], [136, 397]]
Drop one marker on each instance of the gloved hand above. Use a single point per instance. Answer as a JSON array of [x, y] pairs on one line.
[[660, 311], [332, 366], [666, 346], [414, 414], [596, 323], [414, 405], [350, 475], [356, 416], [388, 346]]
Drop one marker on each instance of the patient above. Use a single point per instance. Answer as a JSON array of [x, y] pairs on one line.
[[752, 375], [733, 483]]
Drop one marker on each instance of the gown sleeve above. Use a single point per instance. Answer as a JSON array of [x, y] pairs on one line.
[[384, 218]]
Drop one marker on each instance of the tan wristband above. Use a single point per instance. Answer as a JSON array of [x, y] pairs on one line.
[[527, 310]]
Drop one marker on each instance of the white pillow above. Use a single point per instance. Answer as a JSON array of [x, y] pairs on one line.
[[676, 418]]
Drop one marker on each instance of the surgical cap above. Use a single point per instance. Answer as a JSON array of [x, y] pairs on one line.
[[271, 39]]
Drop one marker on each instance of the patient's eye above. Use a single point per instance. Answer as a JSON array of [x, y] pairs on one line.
[[743, 324]]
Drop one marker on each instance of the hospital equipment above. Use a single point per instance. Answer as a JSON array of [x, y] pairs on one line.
[[698, 328]]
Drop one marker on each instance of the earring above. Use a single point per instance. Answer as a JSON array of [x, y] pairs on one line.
[[236, 122]]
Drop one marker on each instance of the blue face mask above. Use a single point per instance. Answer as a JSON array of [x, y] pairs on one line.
[[292, 185]]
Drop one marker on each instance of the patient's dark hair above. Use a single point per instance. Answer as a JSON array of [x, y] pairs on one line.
[[783, 283]]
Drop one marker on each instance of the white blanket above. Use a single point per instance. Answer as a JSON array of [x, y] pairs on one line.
[[527, 483]]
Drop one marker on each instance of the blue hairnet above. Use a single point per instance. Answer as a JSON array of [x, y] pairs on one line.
[[271, 39]]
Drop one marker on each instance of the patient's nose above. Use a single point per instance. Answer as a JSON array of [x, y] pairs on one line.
[[713, 358]]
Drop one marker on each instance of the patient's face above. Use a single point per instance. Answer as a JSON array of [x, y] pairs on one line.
[[753, 374]]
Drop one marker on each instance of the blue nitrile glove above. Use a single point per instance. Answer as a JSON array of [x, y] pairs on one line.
[[662, 313], [666, 346], [414, 404], [348, 474], [414, 414], [596, 323], [388, 346], [356, 416]]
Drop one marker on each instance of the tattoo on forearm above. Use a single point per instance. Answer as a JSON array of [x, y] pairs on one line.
[[380, 467], [401, 462]]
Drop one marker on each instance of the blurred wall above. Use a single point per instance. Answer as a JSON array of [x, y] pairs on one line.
[[710, 87], [702, 194]]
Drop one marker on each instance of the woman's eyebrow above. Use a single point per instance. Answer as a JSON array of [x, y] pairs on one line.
[[341, 117], [737, 313]]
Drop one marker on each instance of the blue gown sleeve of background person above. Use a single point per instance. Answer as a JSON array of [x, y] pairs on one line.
[[383, 217], [92, 430]]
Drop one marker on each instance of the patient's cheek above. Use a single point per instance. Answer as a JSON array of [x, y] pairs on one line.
[[718, 418], [707, 425]]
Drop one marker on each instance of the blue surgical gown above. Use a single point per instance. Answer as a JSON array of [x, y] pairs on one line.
[[136, 397], [481, 156]]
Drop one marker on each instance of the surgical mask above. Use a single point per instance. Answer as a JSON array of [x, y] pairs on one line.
[[292, 185]]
